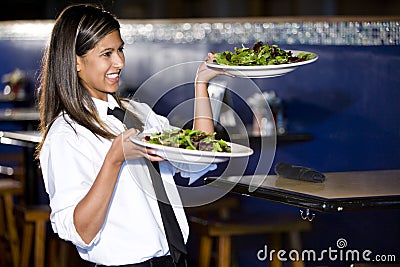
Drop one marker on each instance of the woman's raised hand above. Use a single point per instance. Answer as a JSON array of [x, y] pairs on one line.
[[205, 74]]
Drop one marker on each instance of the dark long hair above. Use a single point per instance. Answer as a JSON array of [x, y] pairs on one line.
[[77, 29]]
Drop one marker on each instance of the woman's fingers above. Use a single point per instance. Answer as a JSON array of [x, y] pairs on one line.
[[210, 57], [130, 132], [151, 155], [204, 73], [154, 158], [132, 150]]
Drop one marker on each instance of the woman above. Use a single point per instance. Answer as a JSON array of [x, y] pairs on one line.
[[93, 173]]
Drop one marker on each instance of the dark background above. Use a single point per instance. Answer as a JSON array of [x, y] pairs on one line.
[[144, 9]]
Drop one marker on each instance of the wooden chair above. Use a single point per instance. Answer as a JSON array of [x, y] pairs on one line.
[[33, 221], [224, 227], [9, 240], [20, 222], [48, 249]]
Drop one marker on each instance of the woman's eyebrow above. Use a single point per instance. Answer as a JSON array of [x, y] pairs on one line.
[[111, 48], [106, 49]]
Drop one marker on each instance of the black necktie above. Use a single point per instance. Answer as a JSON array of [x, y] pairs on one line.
[[172, 230]]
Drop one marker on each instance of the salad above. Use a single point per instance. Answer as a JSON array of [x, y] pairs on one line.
[[189, 139], [260, 54]]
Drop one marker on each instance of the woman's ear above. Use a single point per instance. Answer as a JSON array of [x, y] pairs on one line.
[[78, 63]]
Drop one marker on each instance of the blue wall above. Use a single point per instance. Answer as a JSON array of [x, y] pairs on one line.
[[347, 99]]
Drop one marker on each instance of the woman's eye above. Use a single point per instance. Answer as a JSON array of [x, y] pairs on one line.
[[121, 49], [107, 54]]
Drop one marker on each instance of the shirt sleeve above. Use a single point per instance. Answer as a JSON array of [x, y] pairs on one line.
[[69, 174], [151, 120]]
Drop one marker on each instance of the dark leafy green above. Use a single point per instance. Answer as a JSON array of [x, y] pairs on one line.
[[189, 139], [260, 54]]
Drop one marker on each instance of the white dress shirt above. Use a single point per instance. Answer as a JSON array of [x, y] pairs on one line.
[[70, 160]]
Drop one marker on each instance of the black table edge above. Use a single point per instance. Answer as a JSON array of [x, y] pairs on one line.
[[309, 202]]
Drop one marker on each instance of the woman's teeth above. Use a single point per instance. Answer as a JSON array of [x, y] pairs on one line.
[[112, 76]]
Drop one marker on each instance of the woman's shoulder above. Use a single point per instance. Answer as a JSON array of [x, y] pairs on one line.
[[60, 128], [142, 110], [66, 132], [136, 105], [64, 126], [147, 115]]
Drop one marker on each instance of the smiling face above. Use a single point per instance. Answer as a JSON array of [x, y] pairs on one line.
[[99, 69]]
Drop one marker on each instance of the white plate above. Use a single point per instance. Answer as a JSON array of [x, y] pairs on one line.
[[194, 156], [267, 71]]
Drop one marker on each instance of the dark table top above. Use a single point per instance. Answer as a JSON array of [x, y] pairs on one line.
[[20, 138], [33, 182], [341, 191], [19, 115]]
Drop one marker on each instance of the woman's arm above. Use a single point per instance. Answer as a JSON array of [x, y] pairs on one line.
[[91, 211], [203, 117]]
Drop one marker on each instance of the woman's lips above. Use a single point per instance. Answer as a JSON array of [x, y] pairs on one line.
[[113, 77]]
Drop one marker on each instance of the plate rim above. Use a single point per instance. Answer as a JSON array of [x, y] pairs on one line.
[[265, 67], [199, 153]]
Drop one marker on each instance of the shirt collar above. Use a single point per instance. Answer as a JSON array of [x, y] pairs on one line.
[[102, 106]]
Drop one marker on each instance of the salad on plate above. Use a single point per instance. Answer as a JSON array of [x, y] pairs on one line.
[[188, 139], [261, 54]]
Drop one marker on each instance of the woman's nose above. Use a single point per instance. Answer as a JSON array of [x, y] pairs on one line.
[[119, 61]]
